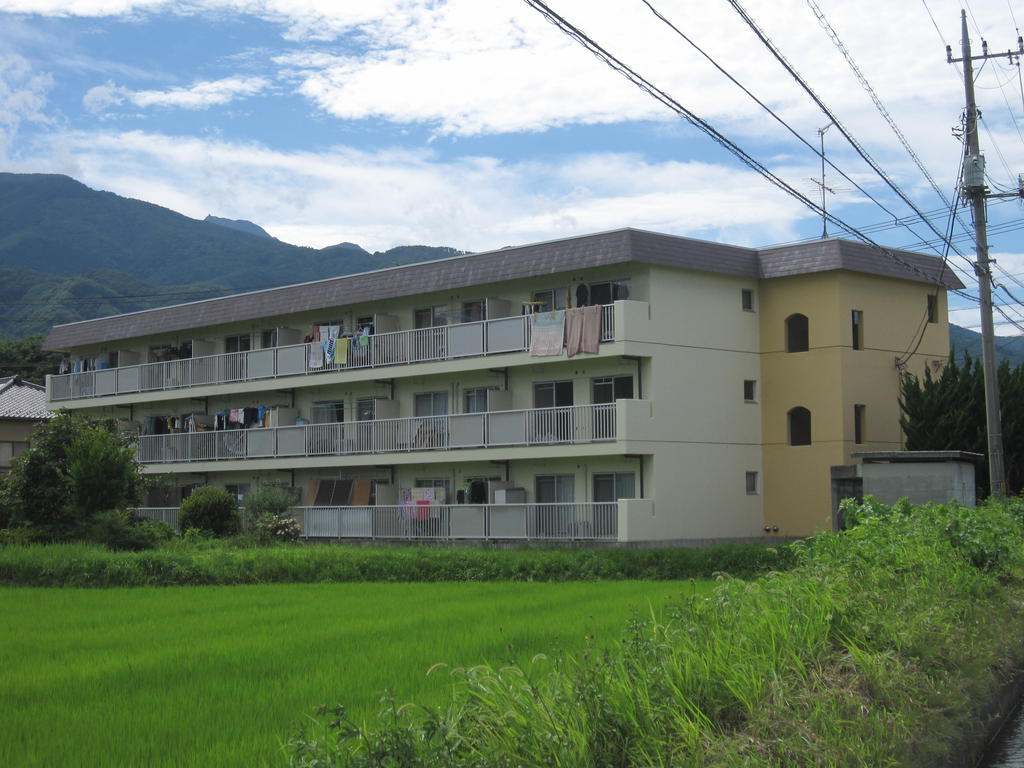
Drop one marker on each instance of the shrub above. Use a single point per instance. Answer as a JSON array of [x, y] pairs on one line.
[[73, 469], [120, 530], [266, 515], [210, 509]]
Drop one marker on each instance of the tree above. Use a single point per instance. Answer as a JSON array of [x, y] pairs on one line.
[[73, 469], [25, 358], [947, 413]]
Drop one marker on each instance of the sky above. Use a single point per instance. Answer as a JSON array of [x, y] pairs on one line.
[[478, 124]]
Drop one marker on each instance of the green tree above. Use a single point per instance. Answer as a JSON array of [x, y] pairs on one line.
[[947, 413], [73, 469], [25, 358], [210, 509]]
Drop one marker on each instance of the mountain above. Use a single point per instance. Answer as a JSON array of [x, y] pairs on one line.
[[68, 253], [962, 340], [240, 224]]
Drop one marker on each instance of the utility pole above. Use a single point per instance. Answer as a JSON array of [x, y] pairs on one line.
[[974, 189]]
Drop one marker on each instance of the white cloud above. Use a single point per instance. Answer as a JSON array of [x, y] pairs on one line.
[[197, 96], [396, 197], [23, 97]]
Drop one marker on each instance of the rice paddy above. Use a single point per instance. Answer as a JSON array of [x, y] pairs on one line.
[[217, 676]]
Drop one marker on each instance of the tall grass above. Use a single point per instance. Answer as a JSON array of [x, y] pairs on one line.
[[82, 565], [875, 651], [217, 676]]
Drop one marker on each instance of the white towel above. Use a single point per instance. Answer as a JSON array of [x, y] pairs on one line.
[[547, 334], [316, 355]]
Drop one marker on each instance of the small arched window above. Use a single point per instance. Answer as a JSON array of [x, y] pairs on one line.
[[796, 333], [799, 426]]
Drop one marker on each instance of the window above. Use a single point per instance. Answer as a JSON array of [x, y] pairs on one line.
[[747, 299], [933, 308], [799, 426], [268, 338], [749, 390], [858, 423], [553, 489], [546, 300], [364, 322], [475, 400], [431, 317], [239, 490], [552, 394], [612, 486], [796, 333], [751, 483], [327, 412], [609, 291], [240, 343], [113, 358], [857, 328], [611, 388], [366, 409], [431, 404], [473, 311], [438, 483]]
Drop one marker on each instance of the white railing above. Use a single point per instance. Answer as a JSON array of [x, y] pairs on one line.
[[538, 522], [446, 342], [534, 426], [167, 515]]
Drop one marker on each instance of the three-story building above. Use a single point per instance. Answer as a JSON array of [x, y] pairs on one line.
[[622, 386]]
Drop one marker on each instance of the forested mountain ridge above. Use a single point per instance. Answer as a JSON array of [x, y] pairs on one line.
[[68, 253]]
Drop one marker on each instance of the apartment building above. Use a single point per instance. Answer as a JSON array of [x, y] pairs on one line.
[[625, 386]]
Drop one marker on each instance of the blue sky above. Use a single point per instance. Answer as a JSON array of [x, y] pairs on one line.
[[478, 124]]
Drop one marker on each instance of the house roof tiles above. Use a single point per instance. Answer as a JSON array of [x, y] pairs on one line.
[[604, 248], [22, 400]]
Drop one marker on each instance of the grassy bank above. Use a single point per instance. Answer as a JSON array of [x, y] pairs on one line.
[[875, 651], [82, 565], [216, 676]]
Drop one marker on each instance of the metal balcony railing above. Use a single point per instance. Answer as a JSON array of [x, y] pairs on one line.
[[534, 426], [446, 342], [568, 521]]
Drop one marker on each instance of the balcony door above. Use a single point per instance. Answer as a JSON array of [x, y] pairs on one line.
[[553, 422], [429, 341], [430, 432], [604, 391], [553, 515]]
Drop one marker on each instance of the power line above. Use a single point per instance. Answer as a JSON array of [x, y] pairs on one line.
[[837, 41], [648, 87], [903, 222], [828, 113]]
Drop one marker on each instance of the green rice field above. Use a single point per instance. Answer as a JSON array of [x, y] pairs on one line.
[[218, 676]]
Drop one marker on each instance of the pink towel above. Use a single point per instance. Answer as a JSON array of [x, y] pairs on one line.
[[582, 330]]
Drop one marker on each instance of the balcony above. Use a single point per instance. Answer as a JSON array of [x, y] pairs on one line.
[[534, 426], [446, 342], [568, 521]]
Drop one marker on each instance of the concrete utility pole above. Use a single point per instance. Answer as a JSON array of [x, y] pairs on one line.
[[974, 189]]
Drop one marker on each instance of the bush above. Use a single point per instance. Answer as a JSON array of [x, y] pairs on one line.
[[210, 509], [266, 515], [120, 530], [73, 469]]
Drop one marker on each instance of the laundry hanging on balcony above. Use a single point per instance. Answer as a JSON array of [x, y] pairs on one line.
[[547, 333], [582, 330], [316, 355]]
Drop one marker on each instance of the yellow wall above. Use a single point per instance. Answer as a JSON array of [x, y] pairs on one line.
[[831, 377]]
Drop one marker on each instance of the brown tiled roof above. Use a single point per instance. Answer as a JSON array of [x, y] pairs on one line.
[[22, 400], [555, 256]]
